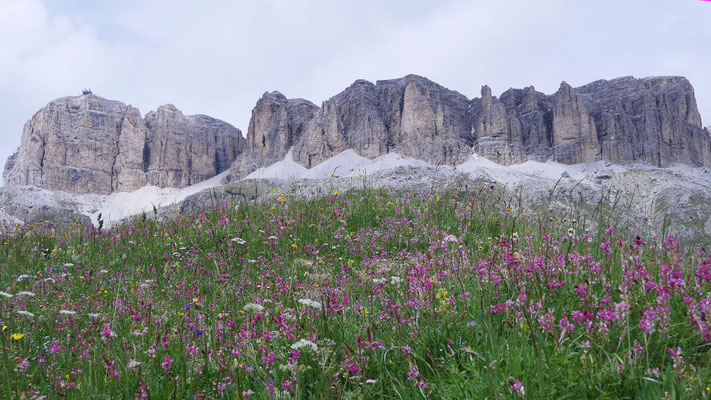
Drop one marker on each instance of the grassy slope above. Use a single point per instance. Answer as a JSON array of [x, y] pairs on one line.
[[451, 296]]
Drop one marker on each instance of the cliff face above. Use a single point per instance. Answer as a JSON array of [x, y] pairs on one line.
[[276, 125], [184, 150], [87, 144], [651, 121], [412, 116]]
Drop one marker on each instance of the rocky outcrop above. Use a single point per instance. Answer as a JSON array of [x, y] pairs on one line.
[[87, 144], [573, 134], [277, 124], [412, 116], [183, 150], [74, 144], [650, 121]]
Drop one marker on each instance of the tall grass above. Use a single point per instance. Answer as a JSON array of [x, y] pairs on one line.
[[364, 294]]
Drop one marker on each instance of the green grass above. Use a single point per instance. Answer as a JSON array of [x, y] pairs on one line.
[[401, 289]]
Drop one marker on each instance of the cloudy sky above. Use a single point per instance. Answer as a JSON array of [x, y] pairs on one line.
[[218, 57]]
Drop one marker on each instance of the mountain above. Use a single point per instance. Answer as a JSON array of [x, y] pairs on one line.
[[651, 121], [88, 144]]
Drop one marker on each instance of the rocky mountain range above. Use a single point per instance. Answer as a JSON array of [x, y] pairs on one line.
[[639, 141], [87, 144], [652, 121]]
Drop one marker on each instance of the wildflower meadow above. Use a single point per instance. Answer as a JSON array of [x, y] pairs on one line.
[[357, 295]]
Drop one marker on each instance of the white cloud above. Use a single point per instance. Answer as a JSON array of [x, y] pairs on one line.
[[218, 57]]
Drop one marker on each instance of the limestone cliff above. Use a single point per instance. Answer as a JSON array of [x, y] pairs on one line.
[[87, 144]]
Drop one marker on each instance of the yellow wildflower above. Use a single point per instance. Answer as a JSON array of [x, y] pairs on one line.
[[17, 336]]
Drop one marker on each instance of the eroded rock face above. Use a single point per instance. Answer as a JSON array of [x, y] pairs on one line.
[[75, 144], [650, 121], [87, 144], [183, 150], [277, 124], [412, 116], [574, 136]]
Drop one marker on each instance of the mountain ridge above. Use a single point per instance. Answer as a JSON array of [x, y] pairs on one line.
[[627, 120], [87, 144]]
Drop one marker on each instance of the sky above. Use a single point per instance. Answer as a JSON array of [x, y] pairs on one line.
[[218, 57]]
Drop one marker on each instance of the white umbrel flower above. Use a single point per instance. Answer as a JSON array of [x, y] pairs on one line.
[[23, 277], [133, 364], [253, 307], [395, 280], [310, 303], [26, 313], [28, 294], [93, 315], [67, 312], [238, 240], [304, 343], [379, 280], [68, 265], [49, 280], [6, 295]]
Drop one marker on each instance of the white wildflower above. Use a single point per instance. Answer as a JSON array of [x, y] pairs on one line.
[[26, 313], [310, 303], [67, 312], [23, 293], [379, 280], [304, 343], [395, 280], [93, 315], [272, 238], [238, 240], [50, 280], [23, 277], [133, 364], [253, 307], [103, 271], [6, 295], [450, 239]]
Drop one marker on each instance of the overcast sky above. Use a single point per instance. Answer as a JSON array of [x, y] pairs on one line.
[[218, 57]]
